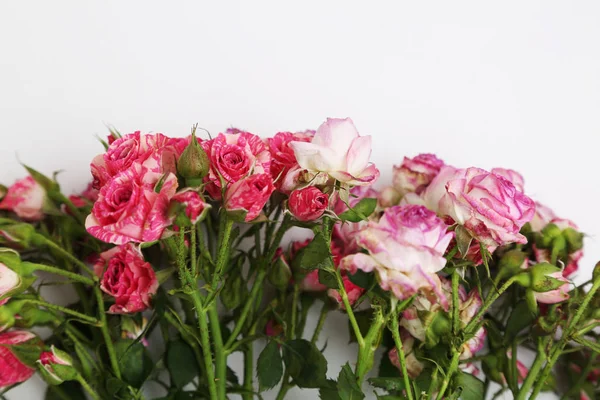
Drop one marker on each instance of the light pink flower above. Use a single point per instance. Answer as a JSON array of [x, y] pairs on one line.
[[347, 232], [12, 370], [511, 176], [132, 207], [415, 174], [195, 206], [282, 154], [308, 204], [233, 157], [491, 208], [354, 292], [297, 177], [338, 150], [156, 152], [406, 249], [311, 283], [125, 275], [249, 195], [414, 367], [25, 198], [9, 280], [557, 295]]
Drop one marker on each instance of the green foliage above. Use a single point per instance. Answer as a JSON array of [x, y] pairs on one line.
[[69, 390], [134, 362], [317, 255], [305, 363], [347, 387], [181, 363], [360, 212], [472, 388], [269, 368]]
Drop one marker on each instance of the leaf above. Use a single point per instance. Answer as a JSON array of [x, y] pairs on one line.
[[71, 389], [463, 239], [360, 211], [232, 377], [390, 384], [134, 361], [328, 278], [269, 369], [347, 387], [181, 363], [472, 388], [305, 363], [329, 391], [362, 279], [386, 368], [48, 184], [520, 318], [317, 255], [363, 318]]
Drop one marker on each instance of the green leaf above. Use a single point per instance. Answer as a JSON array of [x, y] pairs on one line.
[[328, 278], [305, 363], [269, 369], [347, 387], [360, 211], [463, 239], [389, 384], [48, 184], [520, 318], [329, 391], [317, 255], [71, 389], [27, 352], [134, 362], [362, 279], [181, 363], [472, 388]]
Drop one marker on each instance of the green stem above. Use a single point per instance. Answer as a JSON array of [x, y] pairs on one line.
[[320, 323], [294, 317], [193, 258], [366, 352], [63, 252], [285, 387], [80, 316], [576, 388], [455, 303], [348, 306], [62, 272], [400, 350], [88, 388], [223, 249], [205, 340], [474, 323], [566, 337], [112, 354], [451, 370], [534, 371], [220, 355], [249, 369]]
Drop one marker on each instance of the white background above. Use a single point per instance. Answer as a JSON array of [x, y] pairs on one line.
[[511, 84]]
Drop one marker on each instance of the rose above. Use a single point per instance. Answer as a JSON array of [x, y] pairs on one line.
[[338, 150], [297, 177], [12, 370], [415, 174], [130, 208], [194, 206], [282, 154], [310, 281], [9, 280], [125, 275], [234, 156], [490, 207], [406, 249], [25, 198], [249, 195], [56, 366], [556, 295], [157, 152], [353, 291], [346, 232], [512, 176], [308, 204]]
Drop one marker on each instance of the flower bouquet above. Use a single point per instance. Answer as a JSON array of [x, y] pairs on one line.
[[455, 283]]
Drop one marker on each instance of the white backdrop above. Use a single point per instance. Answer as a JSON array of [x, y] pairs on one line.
[[513, 85]]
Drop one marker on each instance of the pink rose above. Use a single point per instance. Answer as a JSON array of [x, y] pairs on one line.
[[156, 152], [282, 154], [25, 198], [414, 367], [297, 177], [249, 195], [491, 208], [557, 295], [338, 150], [511, 176], [57, 366], [195, 206], [9, 280], [311, 283], [406, 249], [234, 156], [415, 174], [308, 204], [125, 275], [354, 292], [130, 208], [347, 232], [12, 370]]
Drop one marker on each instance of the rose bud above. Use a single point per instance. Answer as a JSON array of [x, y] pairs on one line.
[[13, 370], [125, 275], [25, 198], [193, 164], [280, 272], [308, 204], [56, 366], [248, 196], [415, 174], [15, 276], [131, 329], [353, 291], [190, 205]]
